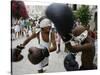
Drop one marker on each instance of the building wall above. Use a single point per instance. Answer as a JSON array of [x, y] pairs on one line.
[[93, 10], [38, 10]]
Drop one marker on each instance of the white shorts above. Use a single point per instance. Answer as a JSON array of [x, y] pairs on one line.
[[17, 28], [42, 64]]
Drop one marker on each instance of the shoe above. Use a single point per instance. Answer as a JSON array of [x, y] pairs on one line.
[[41, 71]]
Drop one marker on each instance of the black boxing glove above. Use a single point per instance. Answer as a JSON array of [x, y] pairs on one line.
[[45, 52], [16, 53], [70, 63], [36, 55], [62, 17], [20, 47]]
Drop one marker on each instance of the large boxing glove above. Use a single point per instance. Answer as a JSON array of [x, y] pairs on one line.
[[70, 63], [62, 17], [16, 53], [36, 55]]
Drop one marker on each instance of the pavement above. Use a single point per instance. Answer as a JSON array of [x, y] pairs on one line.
[[25, 67]]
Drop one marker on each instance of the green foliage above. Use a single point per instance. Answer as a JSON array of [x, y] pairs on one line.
[[83, 14]]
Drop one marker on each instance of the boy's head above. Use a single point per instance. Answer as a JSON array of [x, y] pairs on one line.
[[45, 25]]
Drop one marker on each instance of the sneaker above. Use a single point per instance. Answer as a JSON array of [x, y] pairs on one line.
[[41, 71]]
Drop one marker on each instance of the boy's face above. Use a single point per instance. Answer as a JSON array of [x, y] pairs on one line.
[[47, 29]]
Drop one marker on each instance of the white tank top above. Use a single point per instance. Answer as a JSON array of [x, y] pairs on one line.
[[42, 42]]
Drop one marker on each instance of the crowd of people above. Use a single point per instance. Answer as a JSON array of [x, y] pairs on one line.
[[22, 27]]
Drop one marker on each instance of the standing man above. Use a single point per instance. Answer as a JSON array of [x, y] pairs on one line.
[[86, 46], [62, 17]]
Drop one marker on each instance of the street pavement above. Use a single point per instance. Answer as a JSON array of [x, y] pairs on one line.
[[25, 67]]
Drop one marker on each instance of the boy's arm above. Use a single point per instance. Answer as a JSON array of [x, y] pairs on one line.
[[88, 44], [53, 42], [29, 39], [77, 48]]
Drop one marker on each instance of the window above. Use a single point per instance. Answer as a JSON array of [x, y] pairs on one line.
[[74, 7]]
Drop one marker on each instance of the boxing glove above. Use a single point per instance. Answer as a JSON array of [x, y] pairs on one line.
[[36, 55], [16, 54], [62, 17], [45, 52], [70, 63]]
